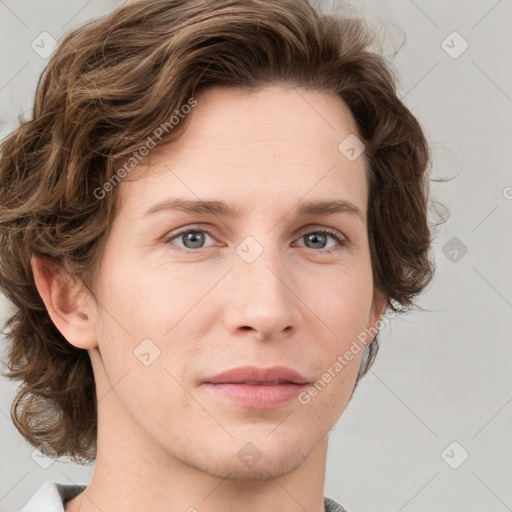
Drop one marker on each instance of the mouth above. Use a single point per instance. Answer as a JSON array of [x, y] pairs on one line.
[[261, 383], [272, 376], [258, 395], [257, 388]]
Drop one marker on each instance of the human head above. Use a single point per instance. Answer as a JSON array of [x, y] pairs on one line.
[[109, 85]]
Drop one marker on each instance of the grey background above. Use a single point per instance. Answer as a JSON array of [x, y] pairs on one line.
[[441, 375]]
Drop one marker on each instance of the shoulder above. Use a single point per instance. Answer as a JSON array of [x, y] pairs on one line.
[[333, 506], [51, 496]]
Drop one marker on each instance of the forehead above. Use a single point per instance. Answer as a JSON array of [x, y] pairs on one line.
[[266, 144]]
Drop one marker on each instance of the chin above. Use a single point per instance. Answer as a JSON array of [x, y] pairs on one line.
[[266, 468]]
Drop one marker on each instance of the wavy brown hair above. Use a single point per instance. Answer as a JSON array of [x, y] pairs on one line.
[[109, 84]]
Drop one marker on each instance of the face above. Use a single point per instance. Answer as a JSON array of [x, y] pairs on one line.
[[187, 295]]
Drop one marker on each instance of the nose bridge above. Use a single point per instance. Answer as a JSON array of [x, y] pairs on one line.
[[259, 288], [261, 267]]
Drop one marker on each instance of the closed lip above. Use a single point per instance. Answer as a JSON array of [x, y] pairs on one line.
[[255, 375]]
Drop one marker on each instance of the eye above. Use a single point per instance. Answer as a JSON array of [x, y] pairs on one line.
[[192, 238], [319, 238]]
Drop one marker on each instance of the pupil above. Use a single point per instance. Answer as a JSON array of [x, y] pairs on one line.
[[315, 238], [195, 238]]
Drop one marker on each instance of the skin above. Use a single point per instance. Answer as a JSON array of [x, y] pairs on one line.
[[164, 441]]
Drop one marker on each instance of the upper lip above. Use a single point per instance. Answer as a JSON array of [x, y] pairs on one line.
[[253, 374]]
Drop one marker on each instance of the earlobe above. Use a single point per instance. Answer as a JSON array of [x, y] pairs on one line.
[[380, 308], [65, 304], [377, 312]]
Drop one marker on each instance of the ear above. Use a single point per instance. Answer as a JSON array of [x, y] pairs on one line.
[[68, 308], [377, 311]]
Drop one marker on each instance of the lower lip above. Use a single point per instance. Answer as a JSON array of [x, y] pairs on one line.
[[255, 396]]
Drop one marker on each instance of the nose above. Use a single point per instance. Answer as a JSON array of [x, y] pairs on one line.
[[260, 295]]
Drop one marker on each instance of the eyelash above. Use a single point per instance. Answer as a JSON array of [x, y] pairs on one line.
[[326, 231]]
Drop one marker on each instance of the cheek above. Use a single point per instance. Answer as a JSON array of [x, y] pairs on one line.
[[149, 317], [172, 304], [343, 305], [343, 300], [141, 300]]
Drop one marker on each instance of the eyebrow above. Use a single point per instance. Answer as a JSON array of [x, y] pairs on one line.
[[304, 208]]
